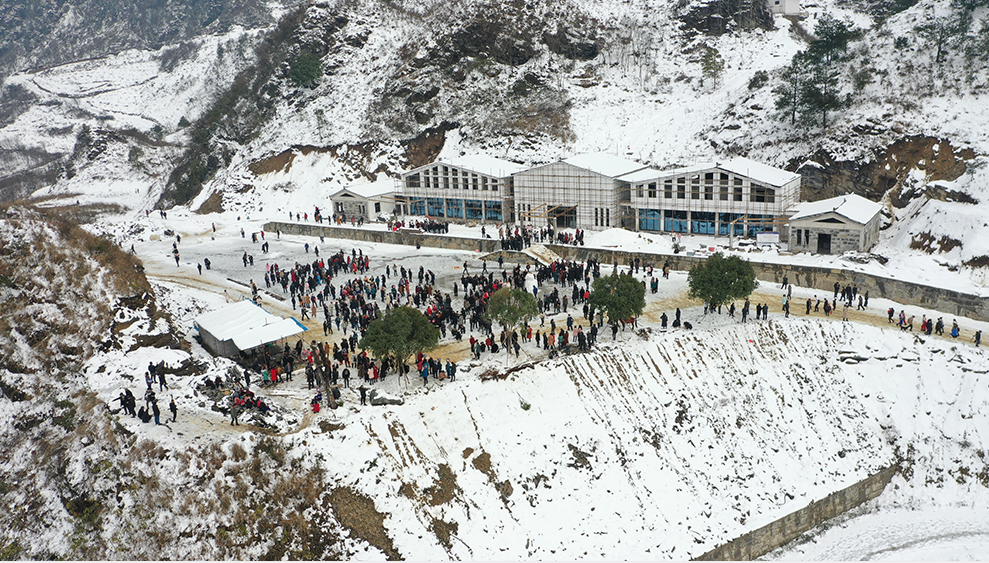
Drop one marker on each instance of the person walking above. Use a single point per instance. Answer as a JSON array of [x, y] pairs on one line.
[[363, 391], [162, 385], [844, 311], [173, 408], [978, 338]]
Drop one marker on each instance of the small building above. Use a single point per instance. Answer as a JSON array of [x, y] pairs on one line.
[[585, 191], [836, 225], [468, 188], [241, 327], [784, 7], [366, 201], [709, 198]]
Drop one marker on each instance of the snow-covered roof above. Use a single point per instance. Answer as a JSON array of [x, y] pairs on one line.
[[370, 189], [604, 164], [762, 173], [652, 173], [852, 206], [247, 325], [488, 165]]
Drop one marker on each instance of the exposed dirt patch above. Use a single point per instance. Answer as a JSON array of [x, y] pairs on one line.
[[977, 262], [427, 146], [925, 241], [357, 513], [277, 163], [327, 426], [483, 464], [495, 374], [213, 204], [936, 157], [445, 489], [468, 452], [444, 531]]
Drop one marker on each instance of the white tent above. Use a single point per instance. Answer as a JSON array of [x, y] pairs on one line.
[[242, 326]]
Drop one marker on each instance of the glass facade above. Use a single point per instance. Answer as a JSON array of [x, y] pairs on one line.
[[724, 219], [492, 210], [649, 219], [675, 221], [702, 223], [455, 208], [472, 209], [434, 207]]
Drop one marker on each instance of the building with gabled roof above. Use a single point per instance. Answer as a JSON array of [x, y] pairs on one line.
[[366, 201], [467, 188], [832, 226], [580, 192], [709, 198]]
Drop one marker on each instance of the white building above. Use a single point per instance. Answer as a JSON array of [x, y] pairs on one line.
[[469, 188], [366, 201], [836, 225], [784, 7], [708, 198], [581, 192]]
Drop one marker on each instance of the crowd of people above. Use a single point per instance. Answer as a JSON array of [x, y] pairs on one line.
[[346, 292]]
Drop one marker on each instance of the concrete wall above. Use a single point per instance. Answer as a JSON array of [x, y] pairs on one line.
[[950, 302], [776, 534], [386, 237]]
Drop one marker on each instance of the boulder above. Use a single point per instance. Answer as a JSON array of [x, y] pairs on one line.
[[379, 398]]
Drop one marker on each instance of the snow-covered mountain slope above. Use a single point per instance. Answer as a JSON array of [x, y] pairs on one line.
[[657, 445]]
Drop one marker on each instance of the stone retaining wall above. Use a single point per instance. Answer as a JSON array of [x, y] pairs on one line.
[[950, 302], [777, 534], [939, 299]]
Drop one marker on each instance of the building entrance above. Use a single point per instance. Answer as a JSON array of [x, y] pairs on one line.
[[823, 243]]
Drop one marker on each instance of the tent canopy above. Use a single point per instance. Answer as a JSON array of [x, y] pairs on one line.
[[247, 325]]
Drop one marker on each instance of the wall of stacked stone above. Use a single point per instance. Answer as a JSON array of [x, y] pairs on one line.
[[405, 237], [788, 528], [951, 302]]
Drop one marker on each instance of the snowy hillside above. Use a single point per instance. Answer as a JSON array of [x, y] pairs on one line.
[[655, 445]]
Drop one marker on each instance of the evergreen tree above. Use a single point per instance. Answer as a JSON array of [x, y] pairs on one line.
[[620, 296], [719, 280], [305, 70], [811, 84], [712, 64], [400, 333], [790, 90]]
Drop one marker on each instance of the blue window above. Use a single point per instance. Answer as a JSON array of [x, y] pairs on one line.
[[434, 207], [492, 210], [649, 220], [417, 207], [472, 209], [702, 222], [455, 208], [675, 221], [724, 219], [755, 227]]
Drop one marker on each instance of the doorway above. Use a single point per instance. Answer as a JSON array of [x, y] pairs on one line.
[[823, 243]]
